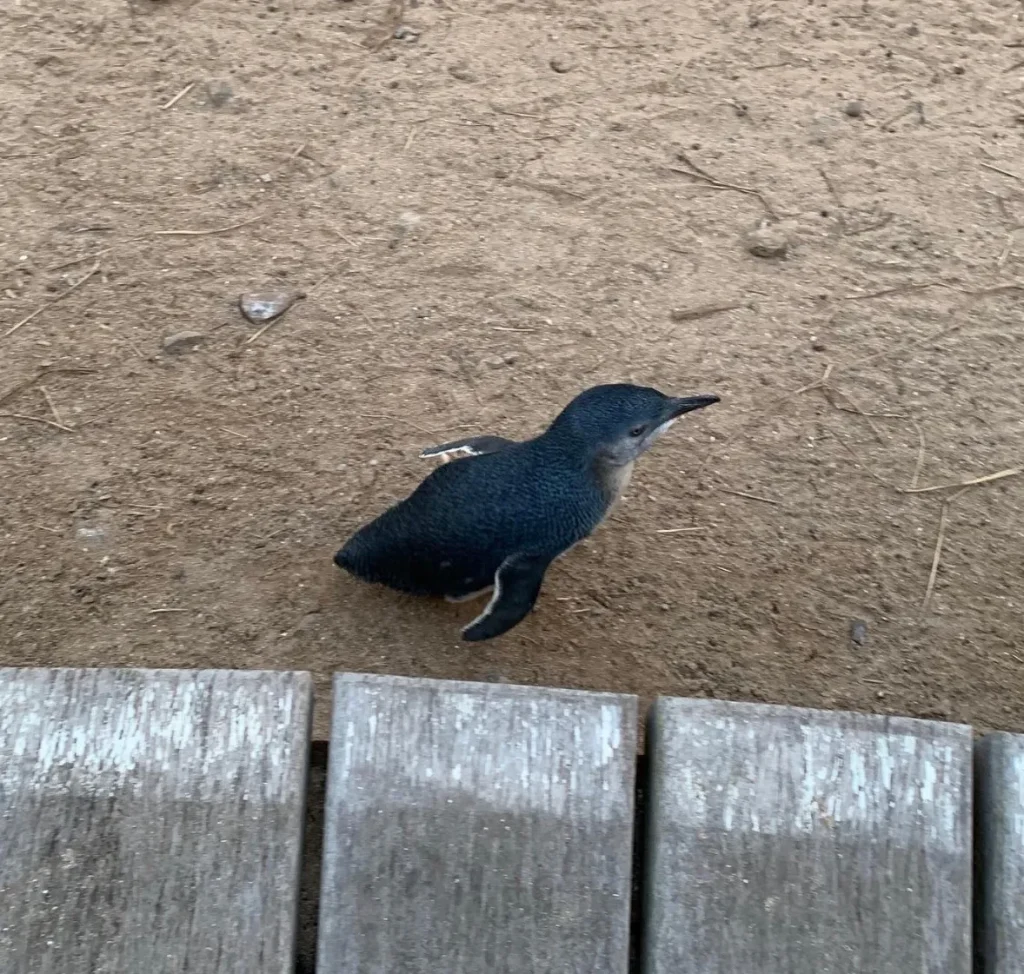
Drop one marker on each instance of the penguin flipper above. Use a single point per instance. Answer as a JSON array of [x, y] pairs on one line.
[[517, 584], [471, 446]]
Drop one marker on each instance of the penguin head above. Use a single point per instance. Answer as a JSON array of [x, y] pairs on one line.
[[617, 423]]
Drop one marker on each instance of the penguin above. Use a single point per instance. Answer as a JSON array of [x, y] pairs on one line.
[[494, 516]]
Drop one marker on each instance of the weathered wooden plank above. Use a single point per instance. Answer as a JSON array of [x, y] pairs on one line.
[[999, 793], [150, 821], [788, 841], [476, 829]]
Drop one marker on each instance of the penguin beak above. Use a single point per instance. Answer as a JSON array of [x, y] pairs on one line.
[[687, 404]]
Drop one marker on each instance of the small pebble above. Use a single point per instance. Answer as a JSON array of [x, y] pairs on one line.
[[854, 109], [219, 92], [767, 242], [823, 130], [461, 72], [859, 631], [91, 534], [561, 65], [818, 346], [184, 341], [406, 33], [263, 306]]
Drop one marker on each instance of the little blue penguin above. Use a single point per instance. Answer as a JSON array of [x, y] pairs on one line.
[[495, 517]]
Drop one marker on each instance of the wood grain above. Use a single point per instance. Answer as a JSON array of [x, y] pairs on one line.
[[999, 775], [150, 821], [786, 841], [477, 829]]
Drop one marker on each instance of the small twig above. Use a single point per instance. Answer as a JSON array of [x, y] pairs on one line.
[[910, 109], [830, 391], [273, 321], [205, 233], [853, 406], [877, 225], [53, 408], [857, 411], [695, 172], [833, 192], [817, 383], [270, 324], [684, 530], [939, 541], [749, 497], [679, 315], [412, 135], [79, 260], [49, 304], [555, 191], [900, 114], [1002, 172], [899, 289], [303, 152], [820, 383], [1008, 249], [181, 94], [154, 612], [920, 455], [234, 433], [856, 459], [20, 387], [988, 478], [38, 419], [505, 111], [904, 348], [342, 236]]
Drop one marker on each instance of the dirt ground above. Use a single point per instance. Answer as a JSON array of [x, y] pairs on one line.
[[490, 209]]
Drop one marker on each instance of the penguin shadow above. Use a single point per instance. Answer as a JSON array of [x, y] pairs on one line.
[[435, 614], [380, 630], [387, 631]]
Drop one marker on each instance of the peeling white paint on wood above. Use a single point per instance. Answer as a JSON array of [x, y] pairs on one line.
[[476, 828], [790, 841], [150, 820], [441, 741], [846, 774], [140, 722]]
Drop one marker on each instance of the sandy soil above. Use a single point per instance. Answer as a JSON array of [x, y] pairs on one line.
[[496, 208]]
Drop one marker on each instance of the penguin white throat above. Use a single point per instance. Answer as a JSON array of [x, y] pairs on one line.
[[614, 479]]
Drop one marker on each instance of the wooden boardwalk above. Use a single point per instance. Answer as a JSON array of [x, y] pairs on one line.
[[152, 822]]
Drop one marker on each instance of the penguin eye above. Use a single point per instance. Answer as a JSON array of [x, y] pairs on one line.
[[637, 431]]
